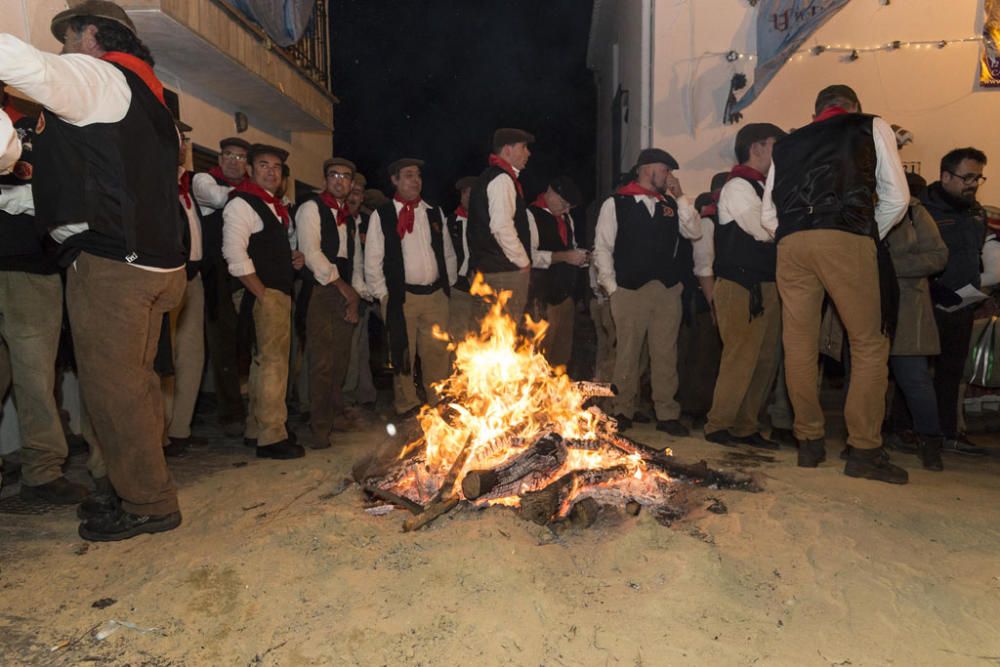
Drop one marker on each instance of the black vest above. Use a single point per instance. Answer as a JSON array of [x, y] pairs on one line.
[[120, 178], [455, 232], [329, 241], [25, 244], [211, 227], [824, 177], [269, 248], [740, 257], [558, 282], [395, 281], [486, 254], [648, 247]]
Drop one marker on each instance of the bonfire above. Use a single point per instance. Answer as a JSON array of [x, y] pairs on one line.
[[511, 430]]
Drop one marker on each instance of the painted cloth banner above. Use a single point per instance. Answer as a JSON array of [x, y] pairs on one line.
[[284, 21], [989, 61], [782, 26]]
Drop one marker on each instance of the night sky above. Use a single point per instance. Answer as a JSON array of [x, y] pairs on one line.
[[433, 79]]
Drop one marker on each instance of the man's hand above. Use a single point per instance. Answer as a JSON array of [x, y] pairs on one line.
[[253, 285], [298, 260], [674, 186], [351, 297], [574, 257]]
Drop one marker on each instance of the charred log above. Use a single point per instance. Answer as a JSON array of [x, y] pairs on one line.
[[543, 458], [543, 506]]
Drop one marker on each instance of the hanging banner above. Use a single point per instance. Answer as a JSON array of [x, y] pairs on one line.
[[782, 26], [989, 61], [285, 21]]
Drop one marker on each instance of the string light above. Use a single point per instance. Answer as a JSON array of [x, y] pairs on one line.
[[854, 52]]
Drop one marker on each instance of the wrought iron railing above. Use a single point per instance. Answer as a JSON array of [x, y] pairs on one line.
[[311, 54]]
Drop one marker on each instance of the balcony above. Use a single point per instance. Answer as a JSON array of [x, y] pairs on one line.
[[212, 50]]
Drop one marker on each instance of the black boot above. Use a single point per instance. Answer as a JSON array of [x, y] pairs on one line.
[[121, 525], [103, 500], [177, 447], [811, 453], [281, 450], [874, 464], [758, 441], [59, 491], [783, 436], [930, 452]]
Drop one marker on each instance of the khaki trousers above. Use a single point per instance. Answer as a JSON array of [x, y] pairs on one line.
[[328, 345], [464, 310], [116, 312], [515, 282], [422, 312], [557, 344], [604, 324], [31, 308], [749, 357], [272, 320], [843, 265], [180, 391], [653, 313]]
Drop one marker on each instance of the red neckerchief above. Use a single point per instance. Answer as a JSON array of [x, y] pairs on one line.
[[251, 188], [743, 171], [406, 215], [497, 161], [184, 188], [460, 212], [11, 112], [138, 67], [343, 215], [216, 172], [829, 112], [635, 189], [560, 219]]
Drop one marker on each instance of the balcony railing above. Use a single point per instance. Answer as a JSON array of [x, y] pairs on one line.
[[312, 53]]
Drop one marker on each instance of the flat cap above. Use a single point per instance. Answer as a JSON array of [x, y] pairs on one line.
[[656, 156], [832, 93], [338, 162], [374, 198], [264, 149], [97, 8], [403, 163], [566, 188], [508, 136], [360, 180], [234, 141], [751, 133], [465, 182]]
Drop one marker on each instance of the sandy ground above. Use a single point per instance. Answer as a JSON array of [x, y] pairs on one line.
[[272, 568]]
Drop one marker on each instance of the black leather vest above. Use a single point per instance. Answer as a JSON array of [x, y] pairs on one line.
[[648, 247], [558, 282], [330, 240], [486, 254], [740, 257], [269, 248]]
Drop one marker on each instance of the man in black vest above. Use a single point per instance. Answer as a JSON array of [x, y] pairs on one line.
[[745, 298], [636, 248], [211, 191], [31, 313], [555, 261], [499, 235], [819, 203], [327, 236], [409, 268], [105, 177], [962, 223], [359, 385], [464, 307], [257, 243]]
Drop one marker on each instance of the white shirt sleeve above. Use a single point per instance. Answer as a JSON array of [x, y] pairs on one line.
[[704, 249], [10, 145], [890, 179], [239, 222], [768, 213], [450, 257], [604, 246], [358, 272], [209, 194], [540, 259], [690, 219], [374, 256], [17, 199], [739, 203], [307, 225], [991, 262], [78, 88], [502, 197]]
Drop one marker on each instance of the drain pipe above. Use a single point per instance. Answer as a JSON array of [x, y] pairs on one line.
[[646, 91]]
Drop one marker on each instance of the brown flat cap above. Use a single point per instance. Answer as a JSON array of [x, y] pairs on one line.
[[403, 163], [263, 149], [102, 9], [374, 198], [234, 141], [360, 180], [465, 182], [338, 162], [507, 136]]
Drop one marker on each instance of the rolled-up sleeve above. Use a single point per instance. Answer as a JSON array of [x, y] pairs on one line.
[[210, 195], [604, 246], [239, 221]]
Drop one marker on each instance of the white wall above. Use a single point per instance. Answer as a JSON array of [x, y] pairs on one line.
[[932, 92]]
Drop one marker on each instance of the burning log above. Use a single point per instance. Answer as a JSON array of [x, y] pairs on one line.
[[397, 500], [584, 513], [543, 458], [430, 513], [595, 389], [698, 473], [543, 506]]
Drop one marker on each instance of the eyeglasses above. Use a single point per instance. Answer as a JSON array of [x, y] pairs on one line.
[[338, 175], [970, 179], [238, 157]]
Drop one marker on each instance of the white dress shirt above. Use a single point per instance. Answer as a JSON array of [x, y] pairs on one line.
[[991, 261], [542, 259], [463, 224], [704, 250], [239, 222], [501, 194], [17, 199], [607, 231], [194, 225], [419, 264], [308, 230], [739, 203], [211, 196], [890, 184], [358, 281], [10, 145]]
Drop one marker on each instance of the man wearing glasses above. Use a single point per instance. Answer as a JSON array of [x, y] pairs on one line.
[[211, 191], [962, 223]]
